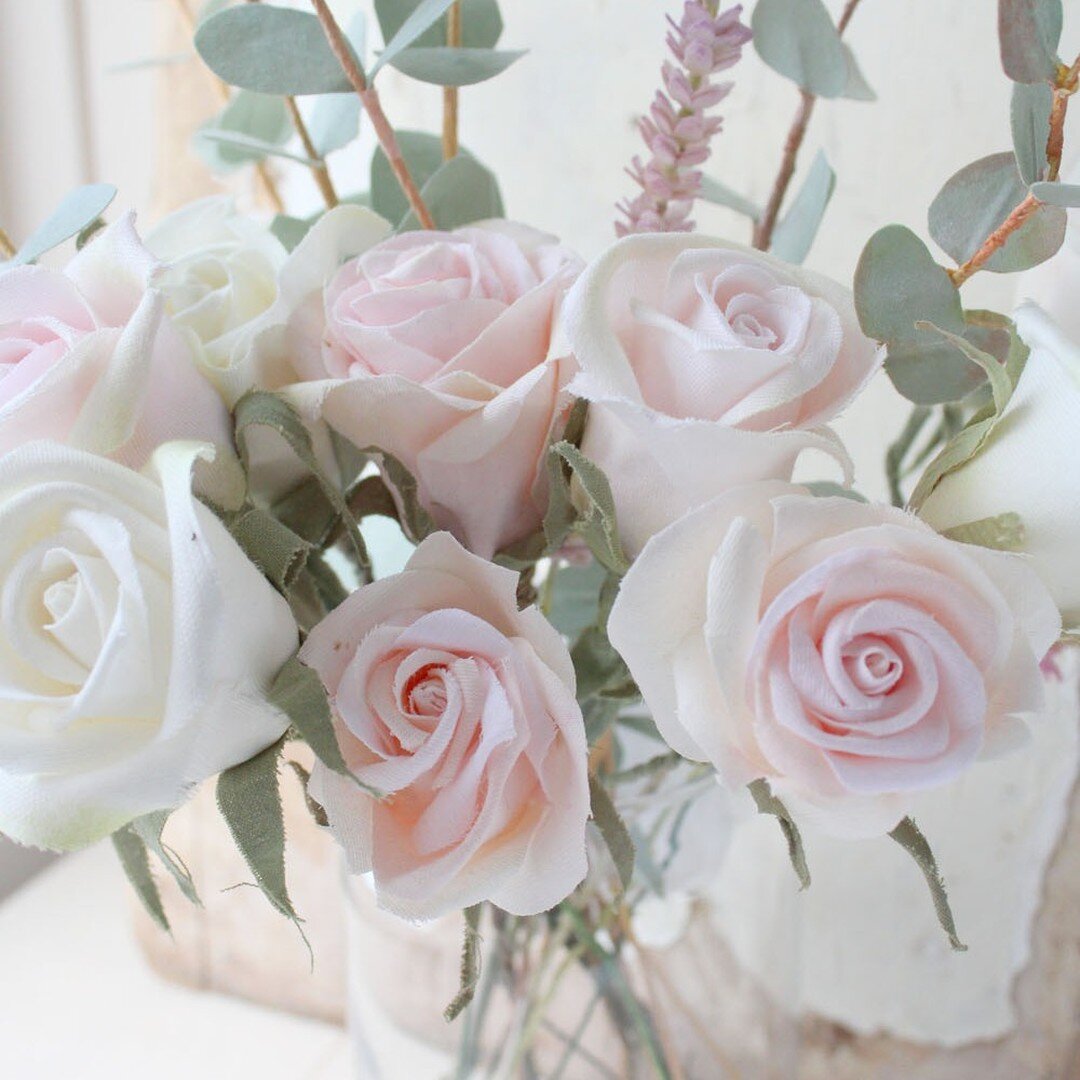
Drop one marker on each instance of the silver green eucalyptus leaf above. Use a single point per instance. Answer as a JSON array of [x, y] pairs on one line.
[[249, 128], [857, 88], [423, 155], [423, 16], [481, 23], [1057, 194], [794, 234], [77, 210], [715, 192], [459, 192], [1029, 32], [271, 50], [1030, 120], [335, 118], [797, 38], [445, 66], [289, 230], [976, 200], [1002, 532], [247, 148]]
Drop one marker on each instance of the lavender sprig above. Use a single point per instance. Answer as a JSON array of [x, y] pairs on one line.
[[677, 130]]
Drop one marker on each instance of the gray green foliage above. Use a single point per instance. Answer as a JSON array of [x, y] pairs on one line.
[[715, 192], [768, 803], [1002, 532], [858, 89], [77, 210], [149, 828], [271, 50], [334, 122], [135, 859], [481, 23], [1029, 32], [1057, 194], [445, 66], [459, 192], [248, 129], [795, 232], [908, 836], [414, 519], [574, 596], [1029, 117], [289, 230], [273, 547], [422, 154], [613, 829], [976, 200], [423, 16], [470, 964]]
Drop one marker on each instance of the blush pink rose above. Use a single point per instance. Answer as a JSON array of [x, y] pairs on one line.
[[845, 651], [707, 365], [462, 709], [89, 358], [437, 348]]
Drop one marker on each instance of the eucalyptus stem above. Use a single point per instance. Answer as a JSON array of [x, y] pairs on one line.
[[7, 248], [450, 93], [763, 230], [369, 97]]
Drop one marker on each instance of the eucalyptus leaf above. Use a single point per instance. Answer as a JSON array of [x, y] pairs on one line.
[[459, 192], [77, 210], [596, 519], [335, 118], [135, 859], [249, 128], [857, 88], [715, 192], [574, 596], [445, 66], [1029, 32], [909, 837], [976, 200], [1057, 194], [613, 829], [768, 803], [289, 230], [795, 232], [797, 38], [481, 23], [249, 149], [149, 828], [272, 50], [1002, 532], [423, 156], [423, 16], [1029, 116]]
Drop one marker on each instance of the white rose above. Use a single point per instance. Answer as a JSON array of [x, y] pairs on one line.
[[1031, 463], [708, 365], [136, 643]]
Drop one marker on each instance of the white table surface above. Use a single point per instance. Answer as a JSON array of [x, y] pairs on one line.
[[77, 1001]]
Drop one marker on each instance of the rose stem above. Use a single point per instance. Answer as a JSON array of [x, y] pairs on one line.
[[222, 91], [450, 93], [1066, 85], [319, 172], [763, 230], [369, 97], [7, 248]]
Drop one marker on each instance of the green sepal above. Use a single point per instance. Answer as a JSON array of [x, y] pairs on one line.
[[470, 964], [768, 803], [613, 829], [911, 839]]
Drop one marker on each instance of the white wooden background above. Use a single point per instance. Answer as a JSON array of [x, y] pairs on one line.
[[557, 127]]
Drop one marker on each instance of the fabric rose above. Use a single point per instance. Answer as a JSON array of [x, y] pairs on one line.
[[136, 643], [844, 651], [461, 709], [707, 365], [1030, 465], [437, 348], [219, 276], [87, 357]]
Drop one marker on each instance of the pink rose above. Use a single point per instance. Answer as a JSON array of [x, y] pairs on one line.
[[462, 710], [844, 651], [707, 365], [88, 357], [437, 348]]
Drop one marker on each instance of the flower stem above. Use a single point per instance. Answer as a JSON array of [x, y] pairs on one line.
[[369, 97], [7, 248], [450, 93], [763, 230]]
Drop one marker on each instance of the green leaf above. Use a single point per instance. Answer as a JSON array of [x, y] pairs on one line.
[[768, 803], [289, 230], [423, 155], [797, 38], [715, 192], [149, 828], [976, 201], [423, 16], [135, 859], [273, 547], [613, 829], [857, 88], [794, 234], [445, 66], [1029, 32], [1029, 117], [459, 192], [470, 964], [1054, 194], [77, 209], [249, 128], [249, 800], [335, 118], [827, 489], [481, 23], [908, 836], [897, 284], [245, 148], [271, 50], [1003, 532], [414, 519], [1000, 384], [575, 596], [596, 520]]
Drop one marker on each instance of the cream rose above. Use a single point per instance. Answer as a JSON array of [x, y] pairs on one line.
[[707, 365], [87, 357], [460, 708], [844, 651], [437, 348], [1031, 463], [219, 276], [136, 643]]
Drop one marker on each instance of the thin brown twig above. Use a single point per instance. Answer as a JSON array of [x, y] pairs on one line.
[[763, 230], [7, 248], [369, 97], [222, 91], [450, 93]]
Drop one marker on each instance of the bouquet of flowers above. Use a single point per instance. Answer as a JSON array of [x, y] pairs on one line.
[[619, 603]]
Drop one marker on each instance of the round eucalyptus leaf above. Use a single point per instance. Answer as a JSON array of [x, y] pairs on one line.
[[1029, 115], [260, 120], [481, 23], [1029, 32], [444, 66], [795, 232], [1057, 194], [797, 38], [423, 155], [77, 210], [458, 193]]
